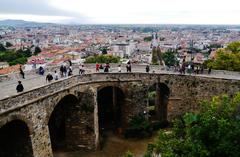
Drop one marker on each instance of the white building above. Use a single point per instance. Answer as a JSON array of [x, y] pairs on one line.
[[123, 49]]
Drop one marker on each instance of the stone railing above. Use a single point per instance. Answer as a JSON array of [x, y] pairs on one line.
[[91, 68], [24, 98]]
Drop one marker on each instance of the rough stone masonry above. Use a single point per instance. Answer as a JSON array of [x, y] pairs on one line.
[[33, 116]]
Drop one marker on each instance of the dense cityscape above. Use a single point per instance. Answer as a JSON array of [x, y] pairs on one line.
[[59, 43], [110, 78]]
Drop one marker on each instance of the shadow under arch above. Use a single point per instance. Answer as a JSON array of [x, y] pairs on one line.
[[15, 140], [60, 122], [110, 100], [158, 96]]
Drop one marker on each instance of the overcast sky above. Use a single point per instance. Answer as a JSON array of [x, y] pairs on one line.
[[123, 11]]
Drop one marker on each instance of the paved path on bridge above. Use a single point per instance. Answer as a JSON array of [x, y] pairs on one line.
[[8, 88]]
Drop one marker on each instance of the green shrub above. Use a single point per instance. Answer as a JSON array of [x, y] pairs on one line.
[[128, 154], [103, 59], [139, 127], [213, 132]]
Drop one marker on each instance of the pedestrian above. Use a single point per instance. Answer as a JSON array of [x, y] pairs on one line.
[[19, 87], [21, 72], [49, 78], [69, 71], [128, 66], [107, 67], [189, 69], [192, 68], [210, 70], [197, 70], [41, 70], [119, 68], [70, 62], [81, 70], [56, 76], [97, 67], [202, 69], [101, 68], [61, 70], [147, 68], [183, 68], [64, 71]]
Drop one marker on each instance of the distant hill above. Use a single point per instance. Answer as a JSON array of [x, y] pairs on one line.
[[22, 23]]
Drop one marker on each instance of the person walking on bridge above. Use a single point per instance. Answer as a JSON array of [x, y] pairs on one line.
[[119, 68], [210, 70], [97, 67], [21, 72], [19, 87], [49, 78], [147, 68]]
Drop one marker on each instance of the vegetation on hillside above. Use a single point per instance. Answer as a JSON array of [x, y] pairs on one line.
[[148, 39], [157, 56], [212, 132], [14, 57], [37, 50], [227, 58], [170, 58], [139, 127], [102, 59]]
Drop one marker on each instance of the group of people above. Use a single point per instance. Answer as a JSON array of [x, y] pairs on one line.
[[192, 69], [106, 67], [68, 71], [65, 71], [101, 68]]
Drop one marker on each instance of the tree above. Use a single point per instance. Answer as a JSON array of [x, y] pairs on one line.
[[212, 132], [170, 58], [154, 56], [103, 59], [147, 39], [159, 55], [103, 50], [37, 50], [234, 47], [8, 44], [227, 59], [2, 48]]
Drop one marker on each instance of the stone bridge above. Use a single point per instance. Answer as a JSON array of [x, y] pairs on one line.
[[71, 113]]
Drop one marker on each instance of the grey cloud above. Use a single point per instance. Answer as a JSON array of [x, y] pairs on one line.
[[34, 7], [37, 7]]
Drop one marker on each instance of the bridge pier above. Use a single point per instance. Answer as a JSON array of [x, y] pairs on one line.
[[41, 143]]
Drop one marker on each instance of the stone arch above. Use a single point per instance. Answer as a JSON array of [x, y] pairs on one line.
[[15, 139], [111, 84], [13, 117], [60, 122], [110, 100], [158, 96], [54, 102]]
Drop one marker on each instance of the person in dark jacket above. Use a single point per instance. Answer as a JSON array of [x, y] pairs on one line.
[[19, 87], [147, 68], [49, 78], [22, 73]]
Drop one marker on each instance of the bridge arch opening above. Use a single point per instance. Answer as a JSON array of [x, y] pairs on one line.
[[158, 96], [60, 123], [15, 140], [110, 101]]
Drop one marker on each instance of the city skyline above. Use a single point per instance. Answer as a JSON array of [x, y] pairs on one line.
[[122, 12]]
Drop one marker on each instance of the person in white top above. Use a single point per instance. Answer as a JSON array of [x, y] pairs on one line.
[[119, 68], [56, 76]]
